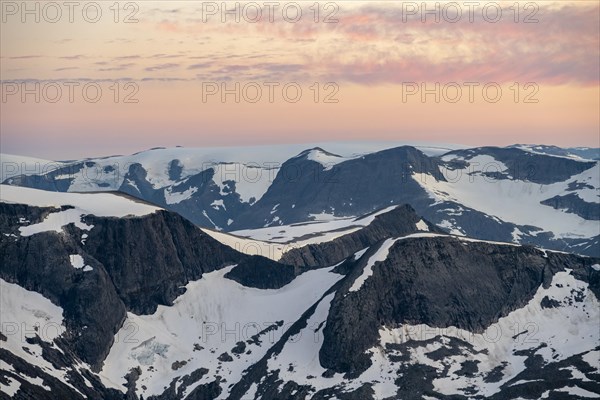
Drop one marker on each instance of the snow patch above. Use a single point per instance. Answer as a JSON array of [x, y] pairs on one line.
[[360, 253], [221, 313], [379, 256], [99, 204], [210, 220], [327, 160], [592, 358], [76, 261], [578, 392], [55, 221], [516, 235], [218, 204], [22, 310], [251, 179], [12, 388], [322, 228], [451, 228], [274, 251], [177, 197], [516, 201], [301, 355], [422, 226]]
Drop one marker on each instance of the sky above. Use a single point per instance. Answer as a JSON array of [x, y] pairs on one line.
[[96, 79]]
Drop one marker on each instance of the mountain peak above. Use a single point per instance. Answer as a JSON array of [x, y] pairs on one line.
[[318, 150], [323, 157]]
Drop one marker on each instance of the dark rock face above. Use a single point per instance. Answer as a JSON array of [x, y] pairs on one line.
[[574, 204], [41, 263], [523, 165], [152, 257], [175, 169], [396, 223], [135, 184], [262, 273], [198, 208], [472, 222], [440, 282], [141, 262], [354, 187], [138, 263], [57, 180]]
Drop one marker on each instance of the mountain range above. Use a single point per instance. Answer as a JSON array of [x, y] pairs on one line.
[[538, 195], [398, 273]]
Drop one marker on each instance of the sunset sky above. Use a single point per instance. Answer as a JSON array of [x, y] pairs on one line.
[[371, 58]]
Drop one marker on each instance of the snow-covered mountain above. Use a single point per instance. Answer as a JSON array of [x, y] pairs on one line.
[[581, 153], [80, 266], [207, 185], [525, 194], [106, 297]]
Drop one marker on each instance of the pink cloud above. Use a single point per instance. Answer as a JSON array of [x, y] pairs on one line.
[[377, 43]]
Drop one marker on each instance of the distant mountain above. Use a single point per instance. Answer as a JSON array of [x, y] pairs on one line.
[[585, 153], [105, 297], [520, 194]]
